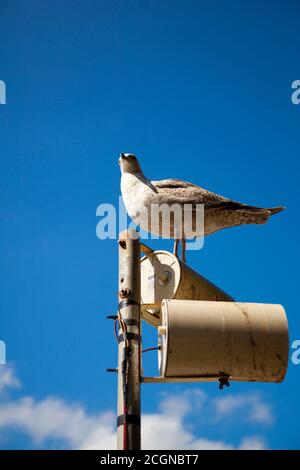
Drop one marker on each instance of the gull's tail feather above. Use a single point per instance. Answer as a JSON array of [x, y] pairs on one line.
[[276, 210], [236, 213]]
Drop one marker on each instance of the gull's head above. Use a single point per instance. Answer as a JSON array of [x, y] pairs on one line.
[[129, 163]]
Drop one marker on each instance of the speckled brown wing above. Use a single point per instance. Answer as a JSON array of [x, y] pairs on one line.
[[182, 192], [219, 212]]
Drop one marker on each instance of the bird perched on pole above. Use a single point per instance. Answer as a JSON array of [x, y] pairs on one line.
[[141, 195]]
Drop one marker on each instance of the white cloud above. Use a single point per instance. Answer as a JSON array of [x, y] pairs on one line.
[[181, 405], [166, 431], [73, 427], [252, 443], [255, 410], [54, 418], [8, 378]]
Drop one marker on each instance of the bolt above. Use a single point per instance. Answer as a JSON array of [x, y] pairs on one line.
[[124, 293], [164, 278], [223, 382]]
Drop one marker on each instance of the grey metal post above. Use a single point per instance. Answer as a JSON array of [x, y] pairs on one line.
[[129, 352]]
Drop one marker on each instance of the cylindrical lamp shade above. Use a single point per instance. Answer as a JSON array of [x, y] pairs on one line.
[[244, 341]]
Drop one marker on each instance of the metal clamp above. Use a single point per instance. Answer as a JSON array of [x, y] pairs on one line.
[[127, 302], [129, 335], [128, 419]]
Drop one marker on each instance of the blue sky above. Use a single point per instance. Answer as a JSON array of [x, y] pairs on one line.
[[198, 90]]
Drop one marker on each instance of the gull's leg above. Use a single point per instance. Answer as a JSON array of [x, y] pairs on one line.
[[183, 247], [175, 250]]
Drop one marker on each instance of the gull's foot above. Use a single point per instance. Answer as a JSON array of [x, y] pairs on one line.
[[175, 250], [183, 248]]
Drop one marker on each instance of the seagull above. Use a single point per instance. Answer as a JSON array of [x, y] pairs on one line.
[[140, 194]]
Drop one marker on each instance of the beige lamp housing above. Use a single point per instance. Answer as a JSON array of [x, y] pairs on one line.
[[209, 339], [163, 276]]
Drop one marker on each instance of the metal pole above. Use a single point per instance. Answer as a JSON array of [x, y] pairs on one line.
[[129, 349]]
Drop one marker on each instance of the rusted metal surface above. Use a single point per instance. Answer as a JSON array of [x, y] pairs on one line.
[[244, 341], [145, 249], [129, 311], [122, 244], [159, 380]]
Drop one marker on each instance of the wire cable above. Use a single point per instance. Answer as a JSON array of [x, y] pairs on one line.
[[151, 349]]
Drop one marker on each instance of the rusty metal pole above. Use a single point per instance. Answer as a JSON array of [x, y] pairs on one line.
[[129, 349]]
